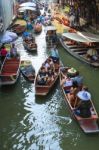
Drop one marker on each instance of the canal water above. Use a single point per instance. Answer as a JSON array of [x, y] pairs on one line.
[[28, 122]]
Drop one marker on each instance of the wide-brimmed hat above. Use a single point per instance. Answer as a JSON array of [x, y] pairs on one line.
[[84, 95], [72, 70]]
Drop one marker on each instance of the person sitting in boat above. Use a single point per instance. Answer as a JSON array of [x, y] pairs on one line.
[[92, 54], [29, 71], [3, 53], [54, 38], [42, 77], [51, 74], [47, 65], [25, 34], [13, 51], [52, 66], [29, 25], [54, 54], [84, 104], [72, 94], [78, 79], [28, 39], [67, 83]]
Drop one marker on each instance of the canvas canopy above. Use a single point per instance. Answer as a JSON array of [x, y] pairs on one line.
[[28, 4], [27, 8], [92, 37], [75, 37], [82, 37]]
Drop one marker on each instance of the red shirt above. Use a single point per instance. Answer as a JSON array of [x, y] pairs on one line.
[[3, 52]]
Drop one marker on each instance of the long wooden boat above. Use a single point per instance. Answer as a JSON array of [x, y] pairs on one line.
[[27, 70], [30, 45], [43, 90], [76, 45], [50, 31], [88, 125], [10, 70]]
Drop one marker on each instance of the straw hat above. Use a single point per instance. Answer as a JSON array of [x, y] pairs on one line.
[[72, 70], [84, 95]]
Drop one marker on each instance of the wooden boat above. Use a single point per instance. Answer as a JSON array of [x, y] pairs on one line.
[[43, 90], [37, 28], [50, 32], [77, 44], [30, 44], [88, 125], [27, 70], [10, 70], [17, 28]]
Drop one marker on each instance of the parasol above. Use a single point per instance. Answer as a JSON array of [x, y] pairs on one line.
[[8, 37]]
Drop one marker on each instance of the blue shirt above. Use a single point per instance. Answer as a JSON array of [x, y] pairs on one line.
[[78, 79], [54, 53]]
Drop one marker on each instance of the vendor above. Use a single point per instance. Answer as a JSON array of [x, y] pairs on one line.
[[3, 53], [92, 54]]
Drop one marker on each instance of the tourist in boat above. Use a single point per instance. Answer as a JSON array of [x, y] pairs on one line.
[[47, 65], [54, 54], [51, 75], [54, 38], [72, 94], [78, 79], [13, 51], [67, 83], [42, 77], [84, 103], [3, 53], [52, 66], [29, 25]]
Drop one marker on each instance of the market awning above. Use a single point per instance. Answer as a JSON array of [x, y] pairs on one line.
[[27, 8], [28, 4], [8, 37]]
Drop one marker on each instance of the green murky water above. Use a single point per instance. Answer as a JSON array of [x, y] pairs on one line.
[[35, 123]]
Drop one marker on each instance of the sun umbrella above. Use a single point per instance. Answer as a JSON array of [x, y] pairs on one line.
[[27, 8], [8, 37], [28, 4]]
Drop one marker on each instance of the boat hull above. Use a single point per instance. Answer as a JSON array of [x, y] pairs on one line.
[[27, 70], [88, 125], [43, 90], [10, 71], [79, 57]]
